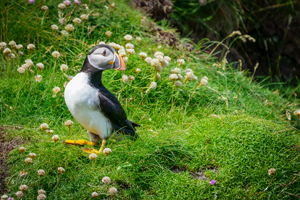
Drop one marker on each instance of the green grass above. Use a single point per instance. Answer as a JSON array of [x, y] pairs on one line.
[[226, 126]]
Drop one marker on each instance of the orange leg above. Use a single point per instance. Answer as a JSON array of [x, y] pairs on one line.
[[79, 142]]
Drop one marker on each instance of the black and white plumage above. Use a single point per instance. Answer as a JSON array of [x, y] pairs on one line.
[[91, 104]]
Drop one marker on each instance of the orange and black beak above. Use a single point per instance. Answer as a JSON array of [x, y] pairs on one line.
[[119, 63]]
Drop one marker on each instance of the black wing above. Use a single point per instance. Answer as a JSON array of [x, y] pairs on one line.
[[112, 109]]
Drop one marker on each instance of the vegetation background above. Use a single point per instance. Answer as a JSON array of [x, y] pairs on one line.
[[233, 130]]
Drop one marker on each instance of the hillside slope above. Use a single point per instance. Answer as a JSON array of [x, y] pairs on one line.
[[225, 131]]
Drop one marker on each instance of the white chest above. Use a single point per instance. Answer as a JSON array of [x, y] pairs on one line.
[[83, 102]]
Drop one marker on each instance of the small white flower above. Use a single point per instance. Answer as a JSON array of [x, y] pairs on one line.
[[41, 191], [21, 70], [178, 84], [45, 8], [297, 113], [194, 77], [68, 123], [7, 51], [19, 194], [12, 56], [64, 67], [106, 180], [159, 57], [95, 195], [271, 171], [29, 62], [131, 77], [204, 81], [180, 62], [93, 156], [106, 7], [56, 90], [125, 59], [167, 58], [143, 55], [153, 85], [108, 33], [128, 38], [101, 42], [4, 197], [22, 149], [19, 46], [113, 191], [124, 78], [28, 161], [158, 76], [23, 173], [177, 70], [70, 78], [69, 27], [40, 66], [55, 54], [76, 21], [38, 78], [122, 53], [130, 51], [62, 6], [158, 68], [23, 188], [137, 70], [64, 33], [129, 46], [138, 39], [148, 60], [154, 62], [159, 54], [179, 76], [12, 44], [107, 151], [41, 197], [65, 84], [21, 53], [55, 138], [25, 66], [61, 170], [49, 131], [44, 126], [30, 47], [2, 45], [164, 63], [84, 17], [188, 70], [173, 77], [54, 27], [189, 76], [32, 155]]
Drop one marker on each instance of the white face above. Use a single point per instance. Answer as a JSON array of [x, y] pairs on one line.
[[100, 58]]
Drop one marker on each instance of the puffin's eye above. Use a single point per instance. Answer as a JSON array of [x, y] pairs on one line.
[[104, 52]]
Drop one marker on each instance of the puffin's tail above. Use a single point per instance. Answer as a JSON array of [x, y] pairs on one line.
[[134, 124]]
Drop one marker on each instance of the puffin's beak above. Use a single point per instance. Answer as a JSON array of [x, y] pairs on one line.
[[119, 63]]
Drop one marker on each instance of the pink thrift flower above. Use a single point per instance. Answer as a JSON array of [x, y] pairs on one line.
[[77, 2], [61, 20], [212, 182], [67, 2], [31, 2]]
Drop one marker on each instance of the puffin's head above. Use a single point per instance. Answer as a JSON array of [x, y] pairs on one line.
[[104, 57]]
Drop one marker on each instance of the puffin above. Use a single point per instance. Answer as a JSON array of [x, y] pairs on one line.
[[94, 106]]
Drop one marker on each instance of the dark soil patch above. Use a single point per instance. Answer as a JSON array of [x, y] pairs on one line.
[[5, 147], [200, 174]]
